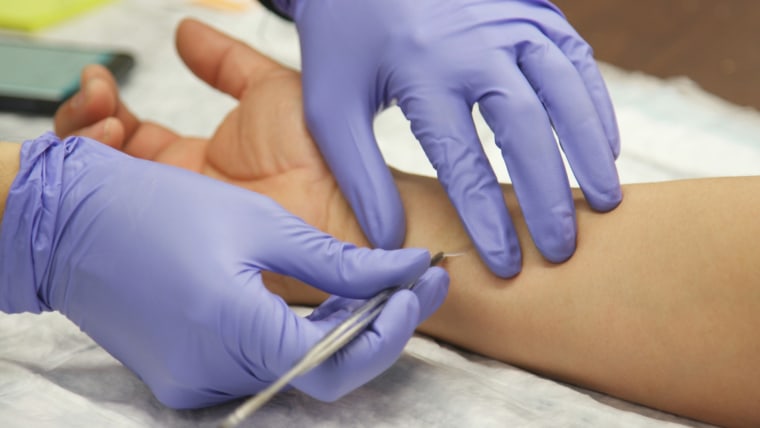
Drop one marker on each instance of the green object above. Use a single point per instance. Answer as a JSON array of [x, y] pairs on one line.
[[30, 15]]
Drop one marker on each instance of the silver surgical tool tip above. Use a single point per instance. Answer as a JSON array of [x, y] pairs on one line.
[[336, 339]]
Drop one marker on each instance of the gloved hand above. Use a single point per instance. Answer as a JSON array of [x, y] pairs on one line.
[[162, 267], [519, 60]]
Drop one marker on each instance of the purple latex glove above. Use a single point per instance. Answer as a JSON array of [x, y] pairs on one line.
[[519, 60], [162, 267]]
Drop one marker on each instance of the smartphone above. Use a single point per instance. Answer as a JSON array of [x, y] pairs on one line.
[[37, 77]]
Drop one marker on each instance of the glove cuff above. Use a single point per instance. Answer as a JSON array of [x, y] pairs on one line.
[[28, 236]]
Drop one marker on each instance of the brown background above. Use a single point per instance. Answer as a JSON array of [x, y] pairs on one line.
[[714, 42]]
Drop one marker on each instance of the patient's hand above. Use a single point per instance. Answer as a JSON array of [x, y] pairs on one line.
[[262, 144]]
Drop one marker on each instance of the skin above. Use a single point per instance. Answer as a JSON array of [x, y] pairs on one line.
[[659, 305], [9, 165]]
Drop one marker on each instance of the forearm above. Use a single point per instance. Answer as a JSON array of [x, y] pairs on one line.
[[9, 164], [659, 304]]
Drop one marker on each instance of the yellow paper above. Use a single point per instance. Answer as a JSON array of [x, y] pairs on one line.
[[232, 5], [32, 15]]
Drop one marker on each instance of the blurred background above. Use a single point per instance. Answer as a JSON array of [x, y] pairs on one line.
[[714, 43]]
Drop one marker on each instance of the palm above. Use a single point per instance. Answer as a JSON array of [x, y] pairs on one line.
[[262, 144]]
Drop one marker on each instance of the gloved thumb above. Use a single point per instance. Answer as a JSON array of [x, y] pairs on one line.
[[316, 258]]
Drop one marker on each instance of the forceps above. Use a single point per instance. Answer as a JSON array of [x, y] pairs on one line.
[[337, 338]]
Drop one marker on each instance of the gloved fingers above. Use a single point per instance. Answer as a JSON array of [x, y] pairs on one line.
[[586, 66], [524, 134], [342, 128], [270, 338], [226, 64], [555, 27], [378, 347], [574, 115], [430, 290], [302, 252], [443, 124]]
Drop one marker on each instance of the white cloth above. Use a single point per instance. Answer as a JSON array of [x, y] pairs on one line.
[[53, 375]]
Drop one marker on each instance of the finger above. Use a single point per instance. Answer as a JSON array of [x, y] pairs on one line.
[[443, 125], [584, 63], [92, 103], [272, 338], [301, 251], [149, 140], [227, 64], [344, 134], [140, 139], [430, 289], [554, 25], [108, 131], [524, 134], [286, 338], [343, 131], [98, 99], [120, 111], [372, 352], [566, 99]]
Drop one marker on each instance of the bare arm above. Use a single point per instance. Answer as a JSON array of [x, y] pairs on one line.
[[660, 305]]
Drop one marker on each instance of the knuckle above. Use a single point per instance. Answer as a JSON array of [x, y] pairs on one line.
[[412, 38]]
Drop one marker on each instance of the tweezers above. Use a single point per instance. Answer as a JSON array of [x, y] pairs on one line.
[[336, 339]]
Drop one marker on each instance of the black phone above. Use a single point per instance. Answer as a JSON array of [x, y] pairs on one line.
[[36, 77]]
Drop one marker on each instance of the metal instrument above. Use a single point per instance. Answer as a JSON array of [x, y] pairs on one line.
[[336, 339]]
